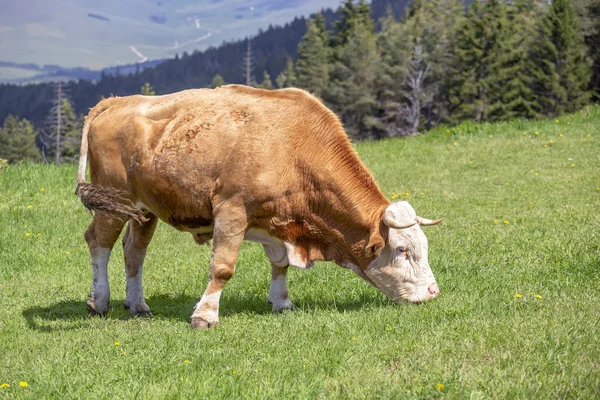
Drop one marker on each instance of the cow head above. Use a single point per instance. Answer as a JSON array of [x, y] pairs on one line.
[[401, 269]]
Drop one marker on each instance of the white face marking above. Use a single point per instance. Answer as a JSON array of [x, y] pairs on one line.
[[402, 269]]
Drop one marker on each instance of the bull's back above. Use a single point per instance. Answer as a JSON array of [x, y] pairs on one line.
[[179, 153]]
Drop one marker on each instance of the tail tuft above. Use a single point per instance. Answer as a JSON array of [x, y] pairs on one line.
[[108, 201]]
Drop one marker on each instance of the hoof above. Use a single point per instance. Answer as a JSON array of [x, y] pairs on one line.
[[199, 323], [94, 310], [281, 308], [143, 314], [139, 310]]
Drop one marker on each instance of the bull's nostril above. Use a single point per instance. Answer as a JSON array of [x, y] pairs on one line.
[[434, 290]]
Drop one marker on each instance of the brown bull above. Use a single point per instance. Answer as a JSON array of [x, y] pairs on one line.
[[235, 163]]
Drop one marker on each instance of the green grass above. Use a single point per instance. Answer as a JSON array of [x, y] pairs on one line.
[[345, 339]]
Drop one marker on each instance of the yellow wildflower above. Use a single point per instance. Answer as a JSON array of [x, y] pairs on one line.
[[28, 234], [388, 329], [4, 385], [557, 121], [38, 234], [545, 145], [234, 372], [505, 222], [537, 133], [455, 143], [550, 141], [186, 361], [517, 296], [447, 130], [561, 135], [538, 296], [493, 261], [440, 387], [67, 253], [572, 165], [117, 344], [23, 384], [568, 122], [524, 133], [421, 388], [354, 339], [30, 207], [470, 162], [537, 174], [41, 189]]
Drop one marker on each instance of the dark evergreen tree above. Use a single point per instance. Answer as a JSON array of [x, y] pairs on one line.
[[562, 75], [312, 71], [217, 81], [266, 82], [592, 41], [17, 140], [147, 90], [65, 128], [288, 77]]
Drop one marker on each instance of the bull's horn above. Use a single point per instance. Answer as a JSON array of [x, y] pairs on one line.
[[427, 222], [389, 220]]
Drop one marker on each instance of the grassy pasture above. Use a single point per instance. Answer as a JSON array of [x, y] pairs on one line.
[[517, 259]]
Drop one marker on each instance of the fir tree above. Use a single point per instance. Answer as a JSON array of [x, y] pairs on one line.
[[17, 140], [217, 81], [288, 77], [266, 83], [592, 40], [351, 91], [64, 126], [563, 70], [312, 72], [147, 90]]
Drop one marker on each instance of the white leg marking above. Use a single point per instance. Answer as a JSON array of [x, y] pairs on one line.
[[100, 294], [134, 297], [278, 294], [208, 307]]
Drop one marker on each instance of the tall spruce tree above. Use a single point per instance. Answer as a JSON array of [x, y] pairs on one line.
[[17, 140], [288, 77], [351, 91], [68, 131], [563, 69], [312, 70], [592, 41]]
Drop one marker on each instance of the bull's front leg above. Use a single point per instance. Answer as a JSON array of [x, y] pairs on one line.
[[278, 293], [227, 240]]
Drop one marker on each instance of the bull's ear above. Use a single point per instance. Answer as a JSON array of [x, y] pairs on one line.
[[375, 245]]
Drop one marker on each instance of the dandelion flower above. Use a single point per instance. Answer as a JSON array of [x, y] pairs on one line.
[[440, 387], [496, 221], [186, 361], [561, 135], [234, 372], [30, 207], [568, 122], [41, 189], [524, 133], [38, 234], [537, 133], [545, 145], [455, 143], [28, 234], [23, 384], [67, 253], [537, 174], [421, 388], [505, 222], [538, 296], [470, 162], [493, 261], [557, 121], [517, 296], [388, 329], [4, 385], [572, 165], [447, 130], [550, 141], [354, 339], [117, 344]]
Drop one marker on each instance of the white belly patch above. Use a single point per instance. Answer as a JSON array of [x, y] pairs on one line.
[[279, 252]]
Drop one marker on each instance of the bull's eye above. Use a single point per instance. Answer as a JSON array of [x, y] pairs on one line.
[[402, 250]]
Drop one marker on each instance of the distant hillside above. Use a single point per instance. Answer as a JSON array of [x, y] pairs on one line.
[[271, 50]]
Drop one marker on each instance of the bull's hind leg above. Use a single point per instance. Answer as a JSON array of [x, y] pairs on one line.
[[135, 243], [227, 239], [101, 236]]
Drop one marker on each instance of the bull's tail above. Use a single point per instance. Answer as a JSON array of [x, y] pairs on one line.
[[109, 201]]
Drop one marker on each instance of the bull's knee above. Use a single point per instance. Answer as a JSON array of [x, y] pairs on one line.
[[221, 272]]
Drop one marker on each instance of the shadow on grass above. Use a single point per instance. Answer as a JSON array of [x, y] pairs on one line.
[[72, 314]]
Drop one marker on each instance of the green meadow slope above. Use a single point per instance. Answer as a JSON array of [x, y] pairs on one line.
[[517, 260]]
